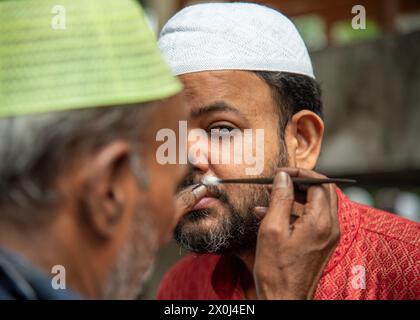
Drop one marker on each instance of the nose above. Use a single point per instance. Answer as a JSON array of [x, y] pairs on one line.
[[198, 151]]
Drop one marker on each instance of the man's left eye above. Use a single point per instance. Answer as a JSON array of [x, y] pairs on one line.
[[223, 128]]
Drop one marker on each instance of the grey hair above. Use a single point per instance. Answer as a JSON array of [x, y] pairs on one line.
[[34, 149]]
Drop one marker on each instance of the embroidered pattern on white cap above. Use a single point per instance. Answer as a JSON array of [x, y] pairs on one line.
[[233, 36]]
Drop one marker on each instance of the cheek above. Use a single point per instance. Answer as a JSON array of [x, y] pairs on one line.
[[252, 153], [161, 206], [161, 195], [225, 171], [260, 160]]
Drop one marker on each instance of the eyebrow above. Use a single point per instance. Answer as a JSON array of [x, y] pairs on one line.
[[219, 106]]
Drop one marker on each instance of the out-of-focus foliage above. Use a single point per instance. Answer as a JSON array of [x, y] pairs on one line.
[[343, 33]]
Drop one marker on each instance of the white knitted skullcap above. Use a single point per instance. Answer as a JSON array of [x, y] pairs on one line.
[[233, 36]]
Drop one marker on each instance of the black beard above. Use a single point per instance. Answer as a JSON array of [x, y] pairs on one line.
[[236, 231]]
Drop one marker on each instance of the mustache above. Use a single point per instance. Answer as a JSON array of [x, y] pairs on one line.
[[193, 178]]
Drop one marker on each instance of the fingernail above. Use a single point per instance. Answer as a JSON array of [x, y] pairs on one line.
[[260, 211], [195, 186], [281, 180], [200, 191]]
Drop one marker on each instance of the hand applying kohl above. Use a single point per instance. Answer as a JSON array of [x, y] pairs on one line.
[[188, 198]]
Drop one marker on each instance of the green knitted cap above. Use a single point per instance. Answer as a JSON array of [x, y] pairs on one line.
[[68, 54]]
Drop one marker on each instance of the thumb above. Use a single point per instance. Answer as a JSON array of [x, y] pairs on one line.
[[187, 198]]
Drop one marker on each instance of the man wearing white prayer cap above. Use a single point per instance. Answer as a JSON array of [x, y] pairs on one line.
[[245, 66]]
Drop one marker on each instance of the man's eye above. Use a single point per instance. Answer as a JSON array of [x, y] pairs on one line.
[[222, 128], [223, 131]]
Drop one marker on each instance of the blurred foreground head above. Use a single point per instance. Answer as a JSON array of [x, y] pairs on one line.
[[83, 91]]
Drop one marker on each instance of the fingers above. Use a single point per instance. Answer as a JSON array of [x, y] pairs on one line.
[[320, 201], [281, 203], [297, 211], [312, 194], [333, 203], [320, 209], [187, 198], [300, 189], [334, 211], [300, 172]]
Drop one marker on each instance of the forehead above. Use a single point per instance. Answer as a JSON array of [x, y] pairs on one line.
[[242, 89]]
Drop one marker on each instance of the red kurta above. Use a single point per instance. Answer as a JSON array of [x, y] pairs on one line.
[[378, 257]]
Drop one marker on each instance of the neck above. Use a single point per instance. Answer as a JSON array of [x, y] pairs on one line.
[[47, 246]]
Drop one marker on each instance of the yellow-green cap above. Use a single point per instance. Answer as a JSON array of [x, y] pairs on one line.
[[69, 54]]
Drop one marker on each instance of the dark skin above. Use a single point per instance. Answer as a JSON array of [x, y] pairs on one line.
[[291, 251], [100, 200]]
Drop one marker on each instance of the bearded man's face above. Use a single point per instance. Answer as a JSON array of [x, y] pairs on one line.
[[224, 221]]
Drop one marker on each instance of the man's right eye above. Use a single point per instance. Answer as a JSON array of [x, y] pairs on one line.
[[221, 127]]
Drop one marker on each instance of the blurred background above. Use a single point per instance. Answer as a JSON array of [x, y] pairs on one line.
[[371, 91]]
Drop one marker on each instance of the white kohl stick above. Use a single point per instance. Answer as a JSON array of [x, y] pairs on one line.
[[210, 181]]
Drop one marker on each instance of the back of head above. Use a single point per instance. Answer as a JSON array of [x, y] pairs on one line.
[[68, 75], [79, 83]]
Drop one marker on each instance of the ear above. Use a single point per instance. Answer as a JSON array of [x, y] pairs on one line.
[[105, 188], [303, 136]]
